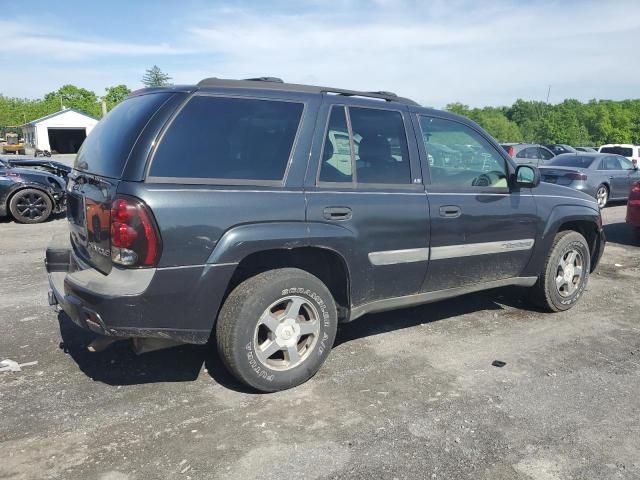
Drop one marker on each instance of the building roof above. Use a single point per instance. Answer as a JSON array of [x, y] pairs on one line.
[[59, 112]]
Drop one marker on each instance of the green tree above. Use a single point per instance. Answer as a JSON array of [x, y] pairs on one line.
[[114, 95], [154, 77], [70, 96]]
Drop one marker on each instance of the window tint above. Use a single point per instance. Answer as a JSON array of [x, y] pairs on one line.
[[624, 151], [459, 157], [336, 155], [229, 138], [380, 145], [106, 149], [532, 153]]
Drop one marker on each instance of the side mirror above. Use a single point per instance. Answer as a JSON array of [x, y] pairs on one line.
[[527, 176]]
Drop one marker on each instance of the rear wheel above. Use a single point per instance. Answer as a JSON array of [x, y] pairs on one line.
[[565, 274], [30, 206], [276, 329], [602, 195]]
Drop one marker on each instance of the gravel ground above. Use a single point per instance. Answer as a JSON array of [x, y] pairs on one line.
[[405, 394]]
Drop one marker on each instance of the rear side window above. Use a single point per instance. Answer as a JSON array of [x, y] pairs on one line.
[[378, 151], [624, 151], [229, 139], [106, 149]]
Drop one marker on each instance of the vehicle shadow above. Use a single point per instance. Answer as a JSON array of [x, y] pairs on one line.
[[119, 365], [622, 234], [489, 300]]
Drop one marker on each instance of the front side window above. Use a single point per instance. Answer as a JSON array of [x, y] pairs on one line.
[[625, 163], [376, 152], [229, 138], [610, 163], [459, 157]]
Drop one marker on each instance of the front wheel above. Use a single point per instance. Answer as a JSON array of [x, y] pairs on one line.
[[276, 329], [565, 274], [30, 206]]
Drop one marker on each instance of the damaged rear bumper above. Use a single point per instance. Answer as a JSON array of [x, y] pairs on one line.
[[177, 303]]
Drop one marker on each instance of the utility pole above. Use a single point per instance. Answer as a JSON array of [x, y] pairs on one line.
[[548, 93]]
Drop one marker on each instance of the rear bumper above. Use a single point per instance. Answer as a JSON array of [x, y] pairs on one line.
[[179, 303]]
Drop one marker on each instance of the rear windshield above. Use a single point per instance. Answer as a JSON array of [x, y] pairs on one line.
[[624, 151], [571, 161], [107, 147]]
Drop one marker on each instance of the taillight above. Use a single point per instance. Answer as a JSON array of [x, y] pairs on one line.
[[576, 176], [510, 151], [135, 241], [635, 191]]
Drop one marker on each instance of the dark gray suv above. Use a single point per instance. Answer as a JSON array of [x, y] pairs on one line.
[[266, 213]]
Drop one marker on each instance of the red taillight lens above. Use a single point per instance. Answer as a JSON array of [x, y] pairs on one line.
[[135, 241], [635, 191], [576, 176], [510, 151]]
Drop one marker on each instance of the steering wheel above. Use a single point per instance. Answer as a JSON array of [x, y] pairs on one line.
[[487, 179]]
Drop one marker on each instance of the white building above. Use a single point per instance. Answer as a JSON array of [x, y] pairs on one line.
[[61, 132]]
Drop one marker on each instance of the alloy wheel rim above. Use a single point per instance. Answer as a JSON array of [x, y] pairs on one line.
[[601, 196], [286, 333], [31, 206], [569, 272]]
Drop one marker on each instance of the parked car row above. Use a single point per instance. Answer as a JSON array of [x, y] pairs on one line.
[[605, 174]]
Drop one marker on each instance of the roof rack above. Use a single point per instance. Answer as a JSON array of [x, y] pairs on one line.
[[277, 84]]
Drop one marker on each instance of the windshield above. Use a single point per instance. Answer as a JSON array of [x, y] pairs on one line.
[[107, 147], [624, 151], [571, 161]]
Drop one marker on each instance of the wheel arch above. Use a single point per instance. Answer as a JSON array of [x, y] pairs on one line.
[[329, 266], [27, 187]]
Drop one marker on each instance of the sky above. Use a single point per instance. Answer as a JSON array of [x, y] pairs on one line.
[[434, 51]]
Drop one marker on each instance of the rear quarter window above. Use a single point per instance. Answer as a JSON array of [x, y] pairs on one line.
[[624, 151], [226, 139], [106, 149]]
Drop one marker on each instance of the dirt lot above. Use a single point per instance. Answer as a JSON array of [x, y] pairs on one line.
[[406, 394]]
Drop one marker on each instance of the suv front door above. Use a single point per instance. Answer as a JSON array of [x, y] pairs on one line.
[[369, 191], [481, 229]]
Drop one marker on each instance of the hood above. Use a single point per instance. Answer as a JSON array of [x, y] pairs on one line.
[[38, 176], [57, 168]]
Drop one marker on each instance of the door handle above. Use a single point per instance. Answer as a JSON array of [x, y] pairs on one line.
[[450, 211], [337, 213]]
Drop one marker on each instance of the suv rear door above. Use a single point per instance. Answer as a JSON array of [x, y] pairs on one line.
[[373, 193], [481, 230]]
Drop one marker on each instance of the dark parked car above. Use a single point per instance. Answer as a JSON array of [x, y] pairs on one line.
[[262, 233], [559, 148], [603, 176], [32, 193], [528, 153]]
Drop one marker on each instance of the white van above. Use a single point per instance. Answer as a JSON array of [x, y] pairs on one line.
[[632, 152]]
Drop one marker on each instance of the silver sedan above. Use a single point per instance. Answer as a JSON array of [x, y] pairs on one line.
[[603, 176]]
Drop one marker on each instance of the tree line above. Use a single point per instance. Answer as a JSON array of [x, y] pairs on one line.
[[18, 111], [572, 122]]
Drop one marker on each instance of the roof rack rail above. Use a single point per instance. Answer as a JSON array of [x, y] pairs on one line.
[[277, 84], [265, 79]]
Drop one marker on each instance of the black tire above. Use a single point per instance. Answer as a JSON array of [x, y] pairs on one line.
[[30, 205], [240, 333], [546, 293], [602, 190]]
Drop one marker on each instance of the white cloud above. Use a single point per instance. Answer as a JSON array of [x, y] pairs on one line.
[[436, 52]]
